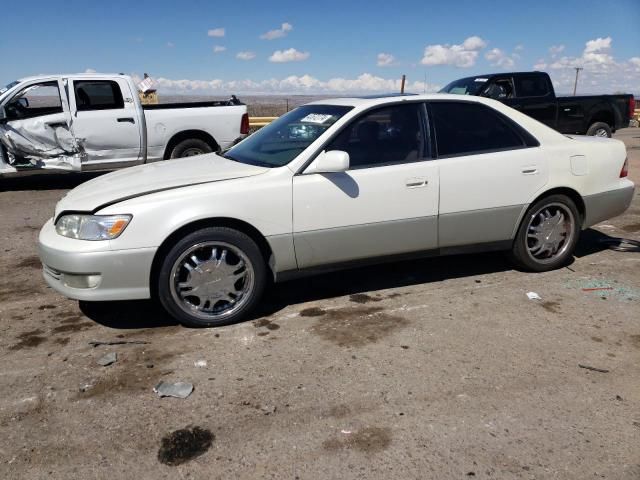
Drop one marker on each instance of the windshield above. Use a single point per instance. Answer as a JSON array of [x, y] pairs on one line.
[[9, 86], [281, 141], [465, 86]]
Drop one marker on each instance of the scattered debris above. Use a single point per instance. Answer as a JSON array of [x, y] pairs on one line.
[[118, 342], [533, 296], [85, 387], [183, 445], [177, 390], [595, 289], [268, 409], [619, 398], [200, 363], [601, 370], [108, 359], [346, 432]]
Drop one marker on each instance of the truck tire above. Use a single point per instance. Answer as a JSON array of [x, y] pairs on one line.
[[599, 129], [190, 148], [212, 277], [547, 235]]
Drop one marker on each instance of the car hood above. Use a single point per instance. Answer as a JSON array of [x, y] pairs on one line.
[[154, 177]]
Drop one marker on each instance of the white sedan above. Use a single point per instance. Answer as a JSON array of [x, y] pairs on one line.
[[332, 184]]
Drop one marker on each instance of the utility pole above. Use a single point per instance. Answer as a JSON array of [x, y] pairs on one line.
[[404, 78], [575, 85]]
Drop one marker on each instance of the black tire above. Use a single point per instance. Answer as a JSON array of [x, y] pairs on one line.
[[168, 294], [599, 129], [190, 147], [520, 253]]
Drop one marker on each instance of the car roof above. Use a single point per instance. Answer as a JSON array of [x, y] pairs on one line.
[[372, 101], [72, 76]]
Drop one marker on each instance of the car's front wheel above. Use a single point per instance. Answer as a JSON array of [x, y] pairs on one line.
[[547, 235], [212, 277]]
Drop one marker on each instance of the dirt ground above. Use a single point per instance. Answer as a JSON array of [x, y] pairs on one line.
[[430, 369]]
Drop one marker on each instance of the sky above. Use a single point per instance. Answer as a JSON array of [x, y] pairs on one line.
[[324, 47]]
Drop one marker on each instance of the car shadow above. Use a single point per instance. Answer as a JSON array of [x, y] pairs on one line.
[[45, 180], [361, 280]]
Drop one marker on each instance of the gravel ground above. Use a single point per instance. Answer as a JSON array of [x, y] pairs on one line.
[[438, 368]]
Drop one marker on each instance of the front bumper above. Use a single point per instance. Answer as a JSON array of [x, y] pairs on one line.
[[91, 271]]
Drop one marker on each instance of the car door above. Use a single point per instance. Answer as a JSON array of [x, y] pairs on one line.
[[386, 202], [489, 169], [106, 123], [36, 131], [534, 97]]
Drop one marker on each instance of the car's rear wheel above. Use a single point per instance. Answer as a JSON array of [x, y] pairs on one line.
[[212, 277], [190, 148], [599, 129], [547, 235]]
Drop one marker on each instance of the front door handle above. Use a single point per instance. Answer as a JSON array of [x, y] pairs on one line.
[[531, 170], [126, 119], [416, 182]]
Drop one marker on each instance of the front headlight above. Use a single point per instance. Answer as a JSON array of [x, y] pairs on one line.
[[92, 227]]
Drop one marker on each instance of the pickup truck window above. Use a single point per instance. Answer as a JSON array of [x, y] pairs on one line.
[[464, 128], [97, 95], [281, 141], [465, 86], [35, 101], [531, 86], [383, 136], [499, 89]]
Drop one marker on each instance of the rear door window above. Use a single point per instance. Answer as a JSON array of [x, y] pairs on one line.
[[532, 86], [465, 128], [97, 95]]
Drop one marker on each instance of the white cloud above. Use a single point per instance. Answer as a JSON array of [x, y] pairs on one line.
[[290, 55], [518, 48], [89, 70], [499, 58], [216, 32], [245, 55], [554, 50], [218, 48], [464, 55], [602, 72], [304, 84], [385, 59], [171, 44], [278, 32]]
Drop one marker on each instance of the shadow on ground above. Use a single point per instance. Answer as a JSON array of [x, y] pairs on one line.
[[43, 180], [147, 314]]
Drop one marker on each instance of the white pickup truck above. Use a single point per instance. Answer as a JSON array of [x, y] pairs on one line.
[[87, 122]]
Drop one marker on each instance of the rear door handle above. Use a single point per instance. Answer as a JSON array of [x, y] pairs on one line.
[[126, 119], [416, 182], [532, 170]]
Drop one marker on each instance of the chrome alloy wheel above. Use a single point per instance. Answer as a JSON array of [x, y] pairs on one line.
[[601, 132], [212, 280], [550, 232]]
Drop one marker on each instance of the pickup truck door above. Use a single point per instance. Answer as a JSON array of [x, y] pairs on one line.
[[385, 204], [534, 97], [106, 123], [36, 131]]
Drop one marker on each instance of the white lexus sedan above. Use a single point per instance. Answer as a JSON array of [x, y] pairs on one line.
[[332, 184]]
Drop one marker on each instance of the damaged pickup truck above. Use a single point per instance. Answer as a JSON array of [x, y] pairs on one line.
[[96, 122]]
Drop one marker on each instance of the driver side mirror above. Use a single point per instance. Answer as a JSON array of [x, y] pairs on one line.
[[329, 162], [23, 102]]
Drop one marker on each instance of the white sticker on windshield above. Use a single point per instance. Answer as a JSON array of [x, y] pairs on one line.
[[480, 79], [316, 118]]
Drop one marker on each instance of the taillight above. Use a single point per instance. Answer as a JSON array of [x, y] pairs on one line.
[[625, 168], [632, 107], [244, 124]]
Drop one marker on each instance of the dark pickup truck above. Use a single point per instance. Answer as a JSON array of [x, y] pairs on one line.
[[532, 93]]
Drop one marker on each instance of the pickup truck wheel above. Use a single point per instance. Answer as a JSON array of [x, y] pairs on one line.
[[599, 129], [190, 148], [547, 235], [212, 277]]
